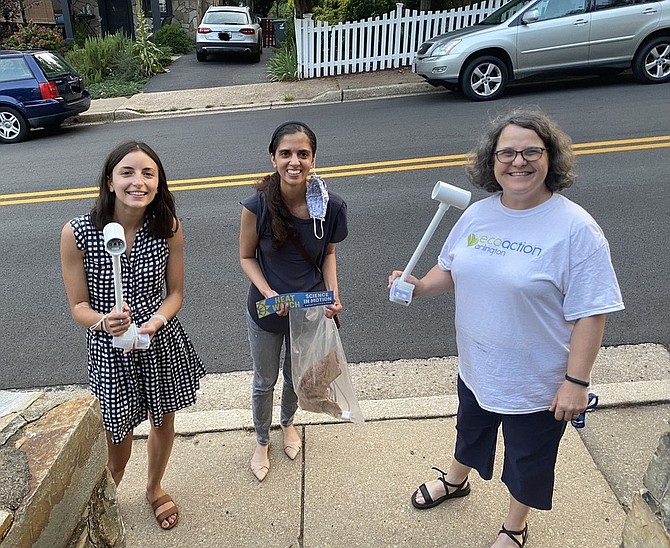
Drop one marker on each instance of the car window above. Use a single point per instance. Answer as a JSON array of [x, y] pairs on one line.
[[14, 68], [52, 64], [226, 18], [505, 12], [609, 4], [551, 9]]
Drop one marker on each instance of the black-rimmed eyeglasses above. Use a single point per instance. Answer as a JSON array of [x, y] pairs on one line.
[[508, 155]]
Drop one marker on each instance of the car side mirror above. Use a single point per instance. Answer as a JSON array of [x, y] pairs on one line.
[[530, 16]]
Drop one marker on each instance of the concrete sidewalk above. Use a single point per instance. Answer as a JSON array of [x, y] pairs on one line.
[[334, 89], [351, 484]]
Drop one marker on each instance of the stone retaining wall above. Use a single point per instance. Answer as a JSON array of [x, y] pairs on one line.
[[648, 522], [55, 489]]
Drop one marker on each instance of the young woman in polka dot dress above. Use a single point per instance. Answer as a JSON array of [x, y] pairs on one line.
[[164, 378]]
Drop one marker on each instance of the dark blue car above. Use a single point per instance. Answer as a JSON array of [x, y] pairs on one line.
[[37, 89]]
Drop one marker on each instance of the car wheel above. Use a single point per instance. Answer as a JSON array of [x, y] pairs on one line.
[[256, 57], [484, 79], [13, 126], [651, 64], [201, 56]]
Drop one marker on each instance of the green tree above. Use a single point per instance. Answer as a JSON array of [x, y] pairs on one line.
[[362, 9]]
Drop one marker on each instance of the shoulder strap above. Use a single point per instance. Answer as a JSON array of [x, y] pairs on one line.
[[301, 248]]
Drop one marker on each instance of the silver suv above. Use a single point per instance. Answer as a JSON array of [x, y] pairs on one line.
[[229, 29], [529, 37]]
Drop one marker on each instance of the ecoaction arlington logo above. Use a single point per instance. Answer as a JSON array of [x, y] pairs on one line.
[[500, 246]]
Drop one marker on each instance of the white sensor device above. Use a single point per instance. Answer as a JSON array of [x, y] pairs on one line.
[[115, 245], [448, 195]]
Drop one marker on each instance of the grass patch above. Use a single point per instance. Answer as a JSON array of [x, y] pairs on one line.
[[114, 88]]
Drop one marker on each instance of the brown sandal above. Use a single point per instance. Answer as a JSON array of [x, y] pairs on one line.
[[160, 518]]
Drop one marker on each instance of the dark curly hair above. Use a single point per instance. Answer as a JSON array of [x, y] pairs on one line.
[[161, 212], [561, 172], [279, 217]]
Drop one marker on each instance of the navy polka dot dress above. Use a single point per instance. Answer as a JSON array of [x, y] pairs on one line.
[[162, 379]]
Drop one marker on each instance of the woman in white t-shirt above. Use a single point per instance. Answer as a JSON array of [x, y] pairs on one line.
[[533, 282]]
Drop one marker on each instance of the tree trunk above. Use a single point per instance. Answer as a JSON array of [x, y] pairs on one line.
[[302, 7]]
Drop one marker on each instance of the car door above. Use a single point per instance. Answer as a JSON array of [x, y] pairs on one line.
[[557, 40], [618, 27]]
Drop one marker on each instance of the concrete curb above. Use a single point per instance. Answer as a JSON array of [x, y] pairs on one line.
[[122, 113], [613, 395]]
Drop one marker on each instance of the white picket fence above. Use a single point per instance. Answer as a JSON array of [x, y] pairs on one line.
[[389, 41]]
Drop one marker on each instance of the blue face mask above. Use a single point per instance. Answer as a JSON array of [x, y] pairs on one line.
[[317, 202]]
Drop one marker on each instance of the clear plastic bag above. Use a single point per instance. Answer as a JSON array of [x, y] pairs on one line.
[[319, 367]]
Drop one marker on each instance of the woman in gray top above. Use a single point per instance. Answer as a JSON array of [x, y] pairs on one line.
[[290, 215]]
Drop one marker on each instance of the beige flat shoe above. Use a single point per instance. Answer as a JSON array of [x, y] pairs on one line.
[[292, 448], [260, 466]]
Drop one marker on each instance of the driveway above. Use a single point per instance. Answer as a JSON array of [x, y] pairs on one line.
[[221, 70]]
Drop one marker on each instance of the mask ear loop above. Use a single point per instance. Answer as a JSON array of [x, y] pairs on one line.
[[315, 231]]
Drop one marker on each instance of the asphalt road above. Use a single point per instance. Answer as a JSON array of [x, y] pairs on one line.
[[220, 70], [622, 185]]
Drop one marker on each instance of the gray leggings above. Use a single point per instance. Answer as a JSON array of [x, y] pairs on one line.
[[265, 353]]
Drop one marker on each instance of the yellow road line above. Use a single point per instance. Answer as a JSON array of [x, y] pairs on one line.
[[351, 170]]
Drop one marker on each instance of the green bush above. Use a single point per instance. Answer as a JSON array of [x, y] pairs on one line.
[[125, 67], [175, 38], [149, 53], [283, 65], [330, 11], [96, 60], [32, 36], [355, 10]]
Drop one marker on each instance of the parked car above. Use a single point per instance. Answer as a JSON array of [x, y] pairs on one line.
[[38, 88], [229, 29], [526, 38]]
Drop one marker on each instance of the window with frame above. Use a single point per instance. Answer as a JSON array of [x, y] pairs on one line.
[[165, 7], [14, 68]]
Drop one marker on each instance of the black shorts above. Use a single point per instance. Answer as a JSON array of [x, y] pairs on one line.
[[531, 448]]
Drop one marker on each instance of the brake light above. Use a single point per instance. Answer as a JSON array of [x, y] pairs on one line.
[[204, 30], [49, 90], [249, 32]]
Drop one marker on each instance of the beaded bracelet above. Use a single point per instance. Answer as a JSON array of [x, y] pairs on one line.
[[160, 317], [100, 324], [576, 381]]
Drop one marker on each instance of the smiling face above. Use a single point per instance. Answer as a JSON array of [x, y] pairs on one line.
[[293, 159], [522, 181], [134, 180]]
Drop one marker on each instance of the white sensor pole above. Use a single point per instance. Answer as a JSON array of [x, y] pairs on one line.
[[115, 245], [448, 195]]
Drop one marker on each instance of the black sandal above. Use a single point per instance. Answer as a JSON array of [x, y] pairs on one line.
[[462, 489], [511, 534]]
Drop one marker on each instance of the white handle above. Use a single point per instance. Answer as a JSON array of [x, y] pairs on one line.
[[118, 283], [432, 227]]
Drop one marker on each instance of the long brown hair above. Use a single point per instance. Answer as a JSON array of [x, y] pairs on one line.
[[161, 212]]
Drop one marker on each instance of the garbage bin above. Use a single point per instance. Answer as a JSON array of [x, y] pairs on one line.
[[280, 31]]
